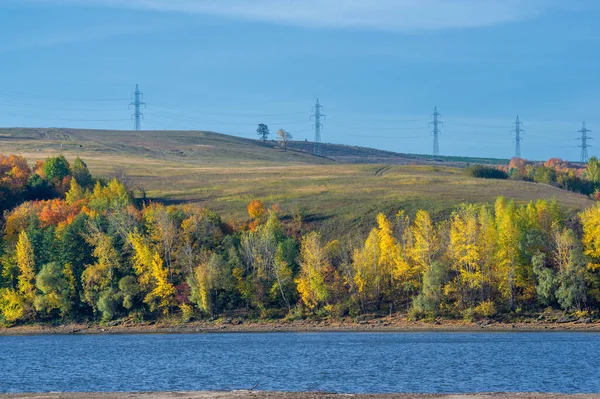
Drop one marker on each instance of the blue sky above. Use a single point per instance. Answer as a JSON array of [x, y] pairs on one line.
[[379, 67]]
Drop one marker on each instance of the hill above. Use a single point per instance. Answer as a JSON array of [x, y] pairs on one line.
[[353, 154], [338, 194]]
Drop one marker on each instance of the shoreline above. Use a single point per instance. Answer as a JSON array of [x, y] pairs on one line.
[[305, 326]]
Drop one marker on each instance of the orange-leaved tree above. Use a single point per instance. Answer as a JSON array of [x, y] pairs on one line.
[[256, 209]]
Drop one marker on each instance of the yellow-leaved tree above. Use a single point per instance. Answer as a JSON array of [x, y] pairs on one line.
[[162, 296], [405, 271], [201, 283], [466, 254], [590, 219], [507, 254], [392, 263], [142, 260], [487, 241], [12, 307], [153, 277], [206, 281], [314, 264], [367, 274], [26, 264], [424, 242], [97, 278], [75, 193]]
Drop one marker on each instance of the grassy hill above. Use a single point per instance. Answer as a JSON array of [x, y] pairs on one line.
[[354, 154], [338, 194]]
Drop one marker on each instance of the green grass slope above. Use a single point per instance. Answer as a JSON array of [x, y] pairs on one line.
[[225, 173]]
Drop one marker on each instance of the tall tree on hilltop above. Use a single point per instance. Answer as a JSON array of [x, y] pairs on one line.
[[263, 132], [284, 137]]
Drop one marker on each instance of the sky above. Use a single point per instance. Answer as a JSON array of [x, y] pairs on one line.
[[378, 67]]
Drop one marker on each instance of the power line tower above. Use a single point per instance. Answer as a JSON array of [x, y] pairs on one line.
[[137, 103], [518, 138], [436, 131], [584, 145], [318, 116]]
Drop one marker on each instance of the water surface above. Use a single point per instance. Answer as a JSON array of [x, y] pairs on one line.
[[436, 362]]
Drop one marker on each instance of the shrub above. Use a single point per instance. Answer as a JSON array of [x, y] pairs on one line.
[[486, 172], [485, 309], [544, 175], [256, 209]]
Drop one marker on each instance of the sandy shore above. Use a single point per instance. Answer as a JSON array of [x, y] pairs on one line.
[[375, 325], [274, 395]]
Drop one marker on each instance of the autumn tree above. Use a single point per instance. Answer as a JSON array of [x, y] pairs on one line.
[[367, 276], [152, 274], [109, 198], [507, 254], [200, 231], [256, 209], [432, 272], [590, 219], [516, 168], [208, 279], [75, 193], [407, 272], [424, 246], [284, 137], [466, 254], [593, 170], [486, 243], [162, 295], [571, 273], [267, 269], [14, 176], [314, 266], [99, 290], [162, 224], [26, 262], [12, 307]]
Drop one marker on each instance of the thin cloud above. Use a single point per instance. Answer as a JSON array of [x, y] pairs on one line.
[[393, 15], [40, 39]]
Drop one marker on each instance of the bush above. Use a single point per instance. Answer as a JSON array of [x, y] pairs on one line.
[[486, 172], [485, 309], [544, 175]]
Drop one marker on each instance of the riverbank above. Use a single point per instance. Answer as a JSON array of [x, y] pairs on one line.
[[389, 324], [286, 395]]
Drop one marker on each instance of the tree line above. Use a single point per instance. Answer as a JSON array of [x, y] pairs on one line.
[[85, 251], [583, 179]]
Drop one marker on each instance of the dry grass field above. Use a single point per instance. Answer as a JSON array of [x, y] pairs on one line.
[[224, 173]]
